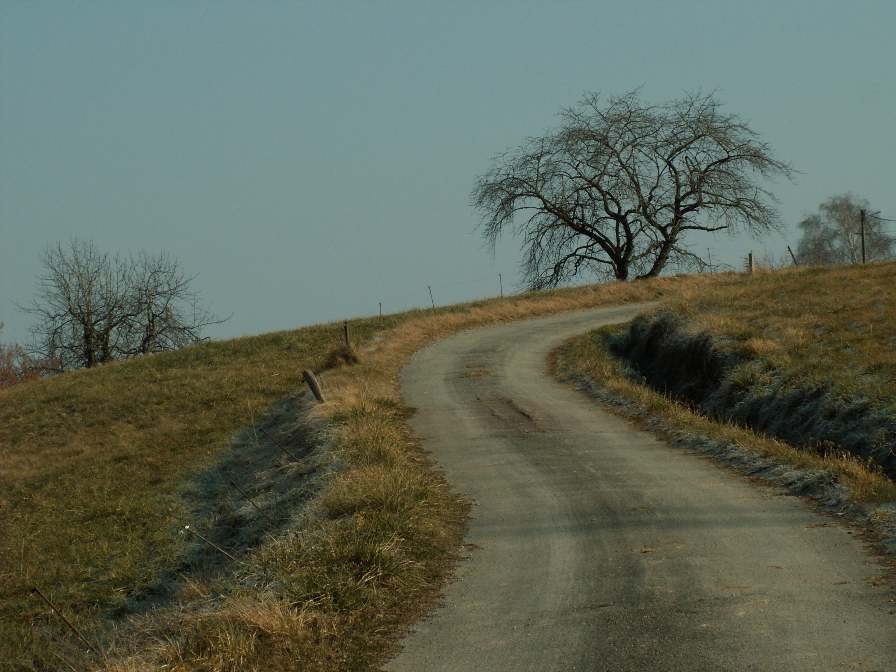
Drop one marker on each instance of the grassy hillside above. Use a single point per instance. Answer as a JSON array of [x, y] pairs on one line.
[[338, 532], [818, 326], [799, 365]]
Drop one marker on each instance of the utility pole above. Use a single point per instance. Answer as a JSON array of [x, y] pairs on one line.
[[792, 256], [862, 222], [432, 300], [501, 285], [709, 256]]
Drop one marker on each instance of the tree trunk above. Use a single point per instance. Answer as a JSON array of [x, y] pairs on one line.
[[620, 269], [660, 262], [89, 349]]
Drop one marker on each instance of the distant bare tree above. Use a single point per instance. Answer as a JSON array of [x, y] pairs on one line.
[[617, 187], [833, 234], [92, 307], [15, 364], [81, 305]]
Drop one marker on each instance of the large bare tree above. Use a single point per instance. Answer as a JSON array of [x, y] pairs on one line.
[[833, 235], [92, 307], [618, 186]]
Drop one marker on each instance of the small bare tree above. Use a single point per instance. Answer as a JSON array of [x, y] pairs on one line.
[[617, 187], [92, 307], [15, 364], [833, 235], [80, 305]]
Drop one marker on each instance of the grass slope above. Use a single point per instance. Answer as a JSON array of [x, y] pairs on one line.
[[92, 465], [818, 326]]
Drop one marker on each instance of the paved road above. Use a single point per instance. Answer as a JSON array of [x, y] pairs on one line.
[[594, 546]]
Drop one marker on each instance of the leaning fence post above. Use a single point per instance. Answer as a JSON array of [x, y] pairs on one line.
[[314, 384]]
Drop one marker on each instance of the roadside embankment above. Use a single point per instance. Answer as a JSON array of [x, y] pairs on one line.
[[727, 382], [788, 377]]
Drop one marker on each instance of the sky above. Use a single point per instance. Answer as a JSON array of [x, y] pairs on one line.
[[309, 160]]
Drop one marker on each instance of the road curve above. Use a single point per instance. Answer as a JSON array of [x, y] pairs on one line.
[[595, 546]]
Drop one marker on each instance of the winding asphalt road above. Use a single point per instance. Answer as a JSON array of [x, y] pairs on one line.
[[595, 546]]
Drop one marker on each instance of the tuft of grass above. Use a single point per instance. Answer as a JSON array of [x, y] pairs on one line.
[[341, 355], [381, 488]]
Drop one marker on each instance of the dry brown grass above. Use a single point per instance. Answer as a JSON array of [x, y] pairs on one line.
[[341, 355], [834, 326]]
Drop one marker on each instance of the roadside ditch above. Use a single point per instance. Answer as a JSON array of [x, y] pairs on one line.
[[681, 385], [697, 369]]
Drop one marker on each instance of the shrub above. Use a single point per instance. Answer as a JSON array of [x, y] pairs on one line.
[[15, 365]]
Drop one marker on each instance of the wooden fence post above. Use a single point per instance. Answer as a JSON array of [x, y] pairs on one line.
[[314, 384]]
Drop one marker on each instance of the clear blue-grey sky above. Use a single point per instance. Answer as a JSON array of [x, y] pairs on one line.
[[308, 160]]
